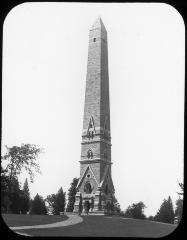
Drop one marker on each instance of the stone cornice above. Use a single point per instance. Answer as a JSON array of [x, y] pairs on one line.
[[97, 129], [96, 141], [95, 160], [88, 195]]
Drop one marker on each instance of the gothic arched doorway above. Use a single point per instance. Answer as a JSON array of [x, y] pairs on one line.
[[86, 206]]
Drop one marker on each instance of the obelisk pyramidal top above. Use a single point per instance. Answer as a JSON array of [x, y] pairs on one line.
[[95, 190]]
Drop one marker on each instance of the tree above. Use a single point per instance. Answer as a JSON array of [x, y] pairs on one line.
[[14, 196], [166, 212], [181, 185], [71, 195], [10, 200], [50, 199], [38, 206], [19, 158], [26, 188], [5, 200], [179, 209], [25, 198], [108, 208], [179, 203], [115, 206], [151, 218], [57, 201], [60, 201], [135, 211], [15, 200]]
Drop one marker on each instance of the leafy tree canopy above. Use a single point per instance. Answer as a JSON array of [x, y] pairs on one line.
[[23, 157], [38, 206], [181, 185], [60, 201], [26, 188], [179, 202], [71, 195], [25, 198], [57, 201], [151, 218], [135, 211], [50, 199], [179, 208], [166, 212], [15, 160]]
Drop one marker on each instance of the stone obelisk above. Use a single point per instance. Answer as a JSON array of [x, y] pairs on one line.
[[95, 190]]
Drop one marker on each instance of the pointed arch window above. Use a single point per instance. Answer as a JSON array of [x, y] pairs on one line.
[[87, 187], [91, 128], [89, 154]]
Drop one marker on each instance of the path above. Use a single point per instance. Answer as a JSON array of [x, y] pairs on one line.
[[72, 219]]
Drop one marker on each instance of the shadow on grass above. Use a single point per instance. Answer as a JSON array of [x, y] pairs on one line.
[[102, 226], [13, 220]]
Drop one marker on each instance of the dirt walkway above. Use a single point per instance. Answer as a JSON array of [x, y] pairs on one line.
[[72, 219]]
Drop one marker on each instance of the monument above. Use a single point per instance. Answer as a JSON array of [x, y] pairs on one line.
[[95, 190]]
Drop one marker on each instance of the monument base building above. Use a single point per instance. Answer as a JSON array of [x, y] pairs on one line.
[[95, 190]]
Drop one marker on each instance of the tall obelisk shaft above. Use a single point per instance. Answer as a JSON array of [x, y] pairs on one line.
[[95, 187], [97, 82]]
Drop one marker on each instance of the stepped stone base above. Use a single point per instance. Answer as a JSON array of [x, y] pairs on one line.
[[97, 213], [91, 212], [71, 213]]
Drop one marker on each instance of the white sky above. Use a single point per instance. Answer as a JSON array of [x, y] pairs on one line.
[[45, 49]]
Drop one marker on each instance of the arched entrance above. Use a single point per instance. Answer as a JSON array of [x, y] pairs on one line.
[[86, 206]]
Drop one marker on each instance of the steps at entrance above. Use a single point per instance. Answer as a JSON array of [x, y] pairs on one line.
[[93, 213], [71, 213]]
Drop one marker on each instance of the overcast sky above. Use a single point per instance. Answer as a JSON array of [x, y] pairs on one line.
[[45, 49]]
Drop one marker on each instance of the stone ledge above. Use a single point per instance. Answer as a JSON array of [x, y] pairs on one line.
[[96, 141], [96, 160], [96, 213]]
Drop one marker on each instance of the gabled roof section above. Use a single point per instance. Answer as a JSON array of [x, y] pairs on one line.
[[104, 176], [80, 180], [83, 176], [93, 175]]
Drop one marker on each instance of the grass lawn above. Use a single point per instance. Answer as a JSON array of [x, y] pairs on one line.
[[13, 220], [104, 226]]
